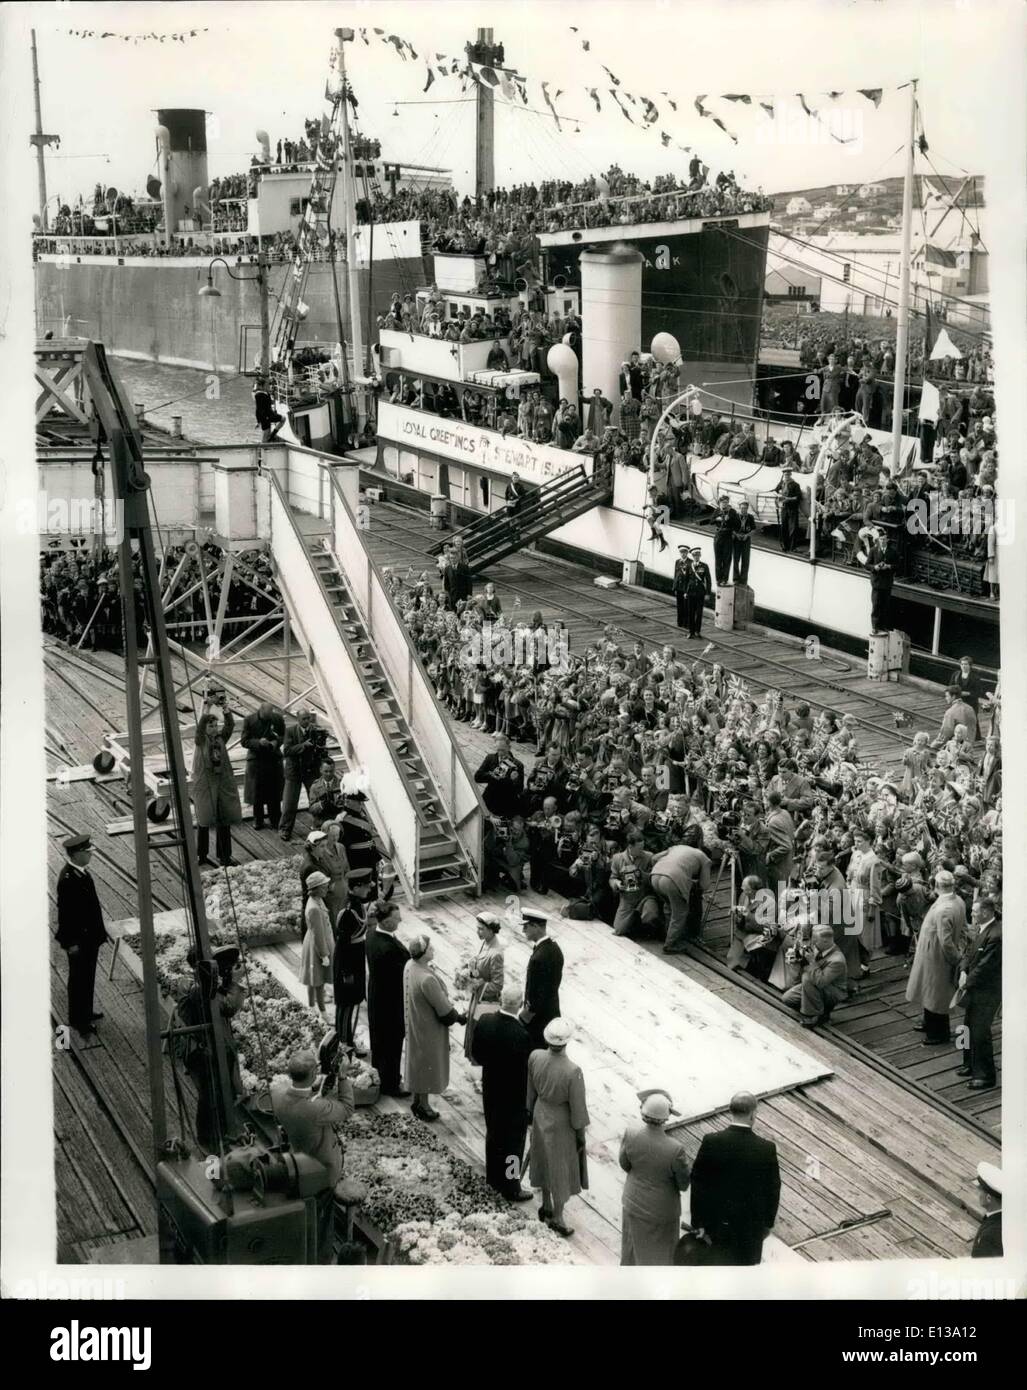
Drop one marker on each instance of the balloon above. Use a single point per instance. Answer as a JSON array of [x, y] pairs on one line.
[[561, 358], [665, 348]]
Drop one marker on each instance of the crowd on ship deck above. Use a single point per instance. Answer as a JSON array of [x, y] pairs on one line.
[[80, 592], [642, 753], [859, 341]]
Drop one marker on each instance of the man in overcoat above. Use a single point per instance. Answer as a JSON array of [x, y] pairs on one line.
[[80, 931], [939, 949], [502, 1045]]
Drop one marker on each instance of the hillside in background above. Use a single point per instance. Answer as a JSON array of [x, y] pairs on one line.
[[871, 207]]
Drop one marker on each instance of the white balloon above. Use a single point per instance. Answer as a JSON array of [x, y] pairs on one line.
[[665, 348]]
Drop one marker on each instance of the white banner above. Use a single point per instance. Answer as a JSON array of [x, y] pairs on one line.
[[475, 447]]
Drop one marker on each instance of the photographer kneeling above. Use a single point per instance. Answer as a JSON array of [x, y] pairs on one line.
[[823, 982]]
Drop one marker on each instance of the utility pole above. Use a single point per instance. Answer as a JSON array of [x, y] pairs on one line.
[[345, 36], [490, 55], [902, 327], [40, 141]]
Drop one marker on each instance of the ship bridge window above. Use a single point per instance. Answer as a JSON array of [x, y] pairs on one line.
[[298, 206]]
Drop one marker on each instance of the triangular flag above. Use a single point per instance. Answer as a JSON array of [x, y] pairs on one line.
[[490, 77], [413, 51], [664, 138], [871, 93], [363, 35], [672, 104], [397, 43], [835, 95], [623, 109], [613, 79], [506, 86], [718, 121], [802, 102], [595, 97], [737, 96], [431, 79], [548, 100], [768, 106], [699, 106]]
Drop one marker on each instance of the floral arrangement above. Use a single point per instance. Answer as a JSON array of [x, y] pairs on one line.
[[284, 1024], [492, 1238], [265, 894]]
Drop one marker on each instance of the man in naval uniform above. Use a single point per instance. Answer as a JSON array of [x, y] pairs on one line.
[[789, 497], [726, 520], [742, 543], [682, 566], [81, 931], [988, 1241], [698, 587]]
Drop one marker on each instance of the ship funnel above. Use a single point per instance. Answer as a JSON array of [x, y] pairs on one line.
[[264, 141], [611, 311]]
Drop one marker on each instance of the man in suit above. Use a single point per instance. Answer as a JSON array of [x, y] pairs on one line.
[[81, 932], [742, 543], [824, 980], [386, 1023], [736, 1187], [301, 750], [502, 1046], [698, 588], [988, 1241], [325, 796], [682, 566], [263, 734], [980, 980], [789, 497], [503, 776], [311, 1120], [542, 982]]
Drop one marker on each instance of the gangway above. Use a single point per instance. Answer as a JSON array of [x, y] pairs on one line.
[[379, 698]]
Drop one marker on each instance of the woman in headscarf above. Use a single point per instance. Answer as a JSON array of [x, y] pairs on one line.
[[428, 1015], [214, 790], [316, 953], [658, 1172], [487, 972], [559, 1118]]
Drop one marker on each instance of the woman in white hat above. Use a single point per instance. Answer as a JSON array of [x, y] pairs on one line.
[[487, 972], [316, 955], [658, 1172], [559, 1118]]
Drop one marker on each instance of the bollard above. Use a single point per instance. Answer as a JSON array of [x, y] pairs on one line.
[[176, 426], [140, 410]]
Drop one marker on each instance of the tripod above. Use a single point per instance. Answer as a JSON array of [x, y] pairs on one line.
[[710, 897]]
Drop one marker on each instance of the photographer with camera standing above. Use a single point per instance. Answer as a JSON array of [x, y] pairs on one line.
[[503, 777], [302, 750], [214, 791], [262, 735]]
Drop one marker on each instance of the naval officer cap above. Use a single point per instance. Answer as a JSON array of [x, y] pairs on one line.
[[990, 1178], [530, 915], [76, 842]]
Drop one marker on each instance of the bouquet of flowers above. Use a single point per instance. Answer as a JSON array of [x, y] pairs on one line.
[[490, 1238], [367, 1084], [265, 896]]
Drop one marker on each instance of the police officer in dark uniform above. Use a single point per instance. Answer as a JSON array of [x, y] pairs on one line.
[[682, 565], [81, 931], [698, 587], [789, 497], [988, 1241], [742, 543], [725, 519], [882, 577]]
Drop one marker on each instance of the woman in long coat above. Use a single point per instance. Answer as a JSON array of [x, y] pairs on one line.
[[428, 1015], [559, 1118], [658, 1172], [487, 970], [932, 980], [864, 877], [214, 790], [316, 952]]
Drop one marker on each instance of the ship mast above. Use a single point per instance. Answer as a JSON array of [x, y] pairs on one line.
[[902, 327], [40, 141], [489, 55], [345, 36]]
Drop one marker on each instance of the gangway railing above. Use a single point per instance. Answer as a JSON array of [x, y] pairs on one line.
[[395, 649]]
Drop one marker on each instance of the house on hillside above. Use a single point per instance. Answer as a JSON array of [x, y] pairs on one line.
[[826, 210], [798, 207], [871, 190], [842, 190]]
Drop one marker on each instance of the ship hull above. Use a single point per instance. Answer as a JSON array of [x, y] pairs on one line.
[[150, 309]]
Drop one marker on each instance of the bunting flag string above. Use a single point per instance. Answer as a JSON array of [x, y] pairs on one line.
[[178, 37], [737, 96], [873, 94], [549, 102]]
